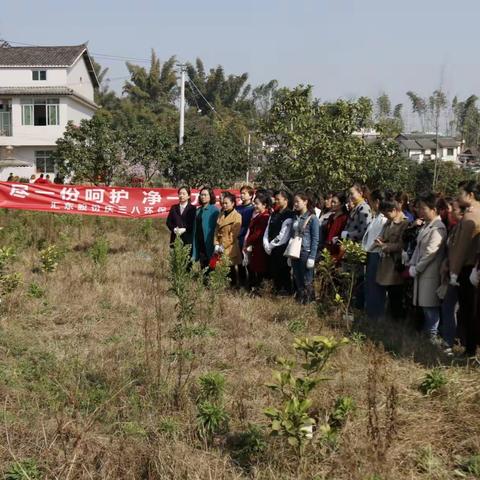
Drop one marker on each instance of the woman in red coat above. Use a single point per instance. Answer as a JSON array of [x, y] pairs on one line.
[[335, 225], [254, 253]]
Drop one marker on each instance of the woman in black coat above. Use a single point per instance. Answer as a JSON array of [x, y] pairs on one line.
[[181, 217]]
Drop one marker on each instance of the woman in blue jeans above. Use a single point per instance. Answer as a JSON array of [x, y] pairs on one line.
[[306, 226]]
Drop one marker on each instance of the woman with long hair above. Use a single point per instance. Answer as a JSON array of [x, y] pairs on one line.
[[306, 226], [335, 225], [374, 293]]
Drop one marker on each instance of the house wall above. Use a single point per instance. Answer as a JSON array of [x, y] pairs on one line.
[[46, 135], [26, 154], [79, 80], [22, 77], [78, 111]]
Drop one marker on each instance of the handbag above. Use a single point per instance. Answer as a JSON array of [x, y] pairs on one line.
[[294, 246]]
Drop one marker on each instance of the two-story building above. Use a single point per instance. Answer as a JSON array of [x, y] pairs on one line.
[[423, 146], [41, 89]]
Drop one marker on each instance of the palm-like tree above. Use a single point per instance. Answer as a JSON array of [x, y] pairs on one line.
[[155, 88], [216, 89]]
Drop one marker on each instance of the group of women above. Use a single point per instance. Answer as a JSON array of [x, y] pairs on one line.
[[425, 254]]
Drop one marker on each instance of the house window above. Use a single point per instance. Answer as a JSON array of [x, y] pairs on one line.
[[44, 161], [450, 152], [434, 151], [39, 74], [40, 112]]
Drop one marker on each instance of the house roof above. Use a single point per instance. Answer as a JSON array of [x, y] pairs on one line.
[[57, 57], [426, 143], [415, 141], [60, 91], [446, 142], [409, 144]]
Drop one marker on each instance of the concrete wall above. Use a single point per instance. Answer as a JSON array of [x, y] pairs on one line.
[[79, 80], [22, 77]]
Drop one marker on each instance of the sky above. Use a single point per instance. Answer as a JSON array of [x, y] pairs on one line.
[[344, 48]]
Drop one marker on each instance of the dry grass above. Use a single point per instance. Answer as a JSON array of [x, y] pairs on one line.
[[87, 373]]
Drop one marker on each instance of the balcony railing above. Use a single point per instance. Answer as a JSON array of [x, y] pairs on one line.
[[5, 124]]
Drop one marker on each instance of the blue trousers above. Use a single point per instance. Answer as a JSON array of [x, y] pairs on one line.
[[302, 276]]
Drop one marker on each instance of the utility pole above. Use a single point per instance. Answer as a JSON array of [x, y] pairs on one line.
[[181, 132]]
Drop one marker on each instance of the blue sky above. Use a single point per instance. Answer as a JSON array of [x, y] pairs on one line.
[[345, 48]]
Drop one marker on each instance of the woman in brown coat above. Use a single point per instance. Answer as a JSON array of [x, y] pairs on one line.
[[391, 245], [228, 228]]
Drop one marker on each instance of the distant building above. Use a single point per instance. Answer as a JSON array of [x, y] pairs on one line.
[[41, 89], [470, 159], [423, 146]]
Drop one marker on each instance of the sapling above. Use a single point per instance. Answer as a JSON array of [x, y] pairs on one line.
[[292, 419]]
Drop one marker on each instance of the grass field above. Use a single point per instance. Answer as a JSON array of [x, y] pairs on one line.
[[95, 383]]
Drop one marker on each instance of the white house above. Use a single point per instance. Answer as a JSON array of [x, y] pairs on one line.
[[423, 146], [41, 89]]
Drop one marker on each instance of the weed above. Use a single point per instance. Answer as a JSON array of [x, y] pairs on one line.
[[212, 419], [49, 258], [168, 426], [429, 463], [35, 290], [344, 407], [99, 251], [247, 447], [296, 326], [24, 470], [469, 466], [434, 382], [212, 387]]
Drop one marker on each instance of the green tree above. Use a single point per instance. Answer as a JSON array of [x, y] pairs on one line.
[[147, 146], [209, 156], [315, 145], [419, 106], [156, 88], [384, 106], [91, 151]]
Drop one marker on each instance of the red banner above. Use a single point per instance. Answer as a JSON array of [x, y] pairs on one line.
[[122, 202]]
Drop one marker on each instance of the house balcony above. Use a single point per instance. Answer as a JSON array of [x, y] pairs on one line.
[[5, 124]]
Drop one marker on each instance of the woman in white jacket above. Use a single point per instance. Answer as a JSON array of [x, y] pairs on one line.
[[426, 262]]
